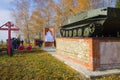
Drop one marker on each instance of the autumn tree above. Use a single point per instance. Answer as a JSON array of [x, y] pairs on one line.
[[21, 14], [37, 23], [43, 15], [67, 8], [81, 5], [46, 10], [64, 9], [47, 13]]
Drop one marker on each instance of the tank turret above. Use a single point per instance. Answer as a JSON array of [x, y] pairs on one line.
[[98, 22]]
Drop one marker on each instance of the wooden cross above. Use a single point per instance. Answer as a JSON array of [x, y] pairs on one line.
[[10, 27]]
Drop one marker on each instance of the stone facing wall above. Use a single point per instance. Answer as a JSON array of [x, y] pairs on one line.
[[92, 53], [76, 49]]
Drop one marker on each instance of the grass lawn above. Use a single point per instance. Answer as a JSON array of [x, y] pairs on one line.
[[34, 65], [38, 65]]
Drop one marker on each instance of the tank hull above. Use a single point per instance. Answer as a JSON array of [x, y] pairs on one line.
[[105, 25]]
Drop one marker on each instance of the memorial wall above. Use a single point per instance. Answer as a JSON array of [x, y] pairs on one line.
[[91, 53]]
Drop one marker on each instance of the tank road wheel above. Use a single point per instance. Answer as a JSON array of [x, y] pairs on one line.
[[74, 33], [92, 28], [63, 33], [70, 33], [79, 32], [86, 32], [66, 33]]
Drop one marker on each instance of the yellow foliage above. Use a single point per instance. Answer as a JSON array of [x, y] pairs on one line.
[[82, 5]]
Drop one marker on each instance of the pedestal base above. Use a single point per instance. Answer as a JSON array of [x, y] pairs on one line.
[[91, 53], [48, 44]]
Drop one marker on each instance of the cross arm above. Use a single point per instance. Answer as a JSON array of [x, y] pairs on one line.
[[14, 29]]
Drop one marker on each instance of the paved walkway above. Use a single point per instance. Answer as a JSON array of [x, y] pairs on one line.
[[88, 74]]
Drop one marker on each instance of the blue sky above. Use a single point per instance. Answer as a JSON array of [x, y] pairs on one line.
[[5, 16]]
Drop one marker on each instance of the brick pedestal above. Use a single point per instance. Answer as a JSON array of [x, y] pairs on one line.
[[91, 53], [49, 44]]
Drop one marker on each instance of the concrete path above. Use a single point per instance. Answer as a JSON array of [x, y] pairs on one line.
[[88, 74]]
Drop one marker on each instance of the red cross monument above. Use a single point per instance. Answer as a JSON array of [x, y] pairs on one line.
[[10, 27]]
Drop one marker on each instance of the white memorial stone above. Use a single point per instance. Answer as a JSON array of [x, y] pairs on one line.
[[49, 37]]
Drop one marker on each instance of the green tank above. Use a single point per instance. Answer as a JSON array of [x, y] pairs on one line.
[[103, 22]]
